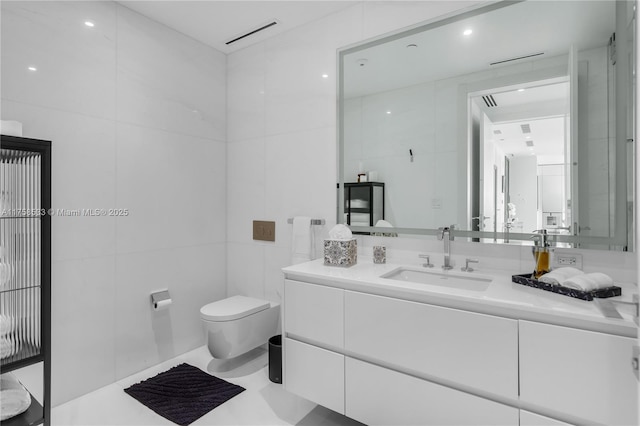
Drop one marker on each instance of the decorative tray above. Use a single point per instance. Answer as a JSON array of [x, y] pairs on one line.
[[525, 279]]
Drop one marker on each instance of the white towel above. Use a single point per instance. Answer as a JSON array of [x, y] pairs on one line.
[[6, 273], [383, 224], [14, 398], [360, 217], [301, 240], [589, 282], [6, 347], [559, 275], [6, 324]]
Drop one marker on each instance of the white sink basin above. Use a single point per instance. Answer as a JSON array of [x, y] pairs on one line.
[[460, 280]]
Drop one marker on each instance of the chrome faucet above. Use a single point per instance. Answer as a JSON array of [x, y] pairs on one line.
[[448, 230]]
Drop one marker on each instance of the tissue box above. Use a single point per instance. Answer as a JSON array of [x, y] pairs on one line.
[[340, 252]]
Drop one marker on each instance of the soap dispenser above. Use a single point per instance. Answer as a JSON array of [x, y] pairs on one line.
[[541, 254]]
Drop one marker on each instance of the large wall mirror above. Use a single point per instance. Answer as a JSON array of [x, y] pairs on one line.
[[502, 120]]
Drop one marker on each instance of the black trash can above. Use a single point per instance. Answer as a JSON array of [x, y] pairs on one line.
[[275, 359]]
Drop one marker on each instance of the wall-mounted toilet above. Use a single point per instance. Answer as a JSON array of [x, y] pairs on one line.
[[237, 324]]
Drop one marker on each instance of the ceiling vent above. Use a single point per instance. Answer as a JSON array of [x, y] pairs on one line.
[[252, 32], [529, 143], [517, 58], [497, 132], [526, 128], [489, 101]]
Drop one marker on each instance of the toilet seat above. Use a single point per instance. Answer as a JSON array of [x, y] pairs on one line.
[[232, 308]]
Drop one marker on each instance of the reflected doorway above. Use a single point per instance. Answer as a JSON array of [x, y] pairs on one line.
[[525, 152]]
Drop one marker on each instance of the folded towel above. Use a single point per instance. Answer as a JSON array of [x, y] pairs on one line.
[[557, 276], [6, 348], [359, 204], [14, 398], [384, 224], [6, 273], [302, 240], [6, 324], [360, 217], [588, 282]]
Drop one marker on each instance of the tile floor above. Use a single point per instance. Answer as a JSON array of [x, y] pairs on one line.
[[263, 402]]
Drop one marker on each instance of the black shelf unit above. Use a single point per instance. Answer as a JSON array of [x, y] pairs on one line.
[[26, 223], [363, 200]]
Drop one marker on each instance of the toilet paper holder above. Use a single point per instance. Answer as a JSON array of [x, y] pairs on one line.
[[160, 298]]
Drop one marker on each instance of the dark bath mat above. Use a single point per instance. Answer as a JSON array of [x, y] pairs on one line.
[[184, 393]]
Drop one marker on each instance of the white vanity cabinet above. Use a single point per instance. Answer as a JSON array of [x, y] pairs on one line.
[[313, 341], [449, 345], [583, 374], [314, 313], [381, 396], [446, 344], [315, 374], [384, 360]]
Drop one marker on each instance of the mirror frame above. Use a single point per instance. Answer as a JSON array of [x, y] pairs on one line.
[[623, 238]]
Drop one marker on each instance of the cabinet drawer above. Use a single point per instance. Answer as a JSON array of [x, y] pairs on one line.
[[379, 396], [315, 374], [314, 313], [475, 350], [581, 373]]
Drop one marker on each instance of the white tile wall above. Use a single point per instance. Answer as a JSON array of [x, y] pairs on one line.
[[246, 169], [246, 100], [70, 58], [137, 116], [295, 163], [173, 185], [84, 336], [167, 81]]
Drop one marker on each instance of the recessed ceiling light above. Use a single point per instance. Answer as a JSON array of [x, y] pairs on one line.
[[412, 45], [527, 137], [32, 69], [520, 90], [388, 112], [468, 31], [325, 75], [89, 24]]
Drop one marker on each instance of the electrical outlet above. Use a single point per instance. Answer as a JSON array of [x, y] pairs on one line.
[[568, 259], [264, 230]]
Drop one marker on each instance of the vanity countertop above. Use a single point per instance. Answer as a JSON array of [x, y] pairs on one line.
[[502, 297]]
